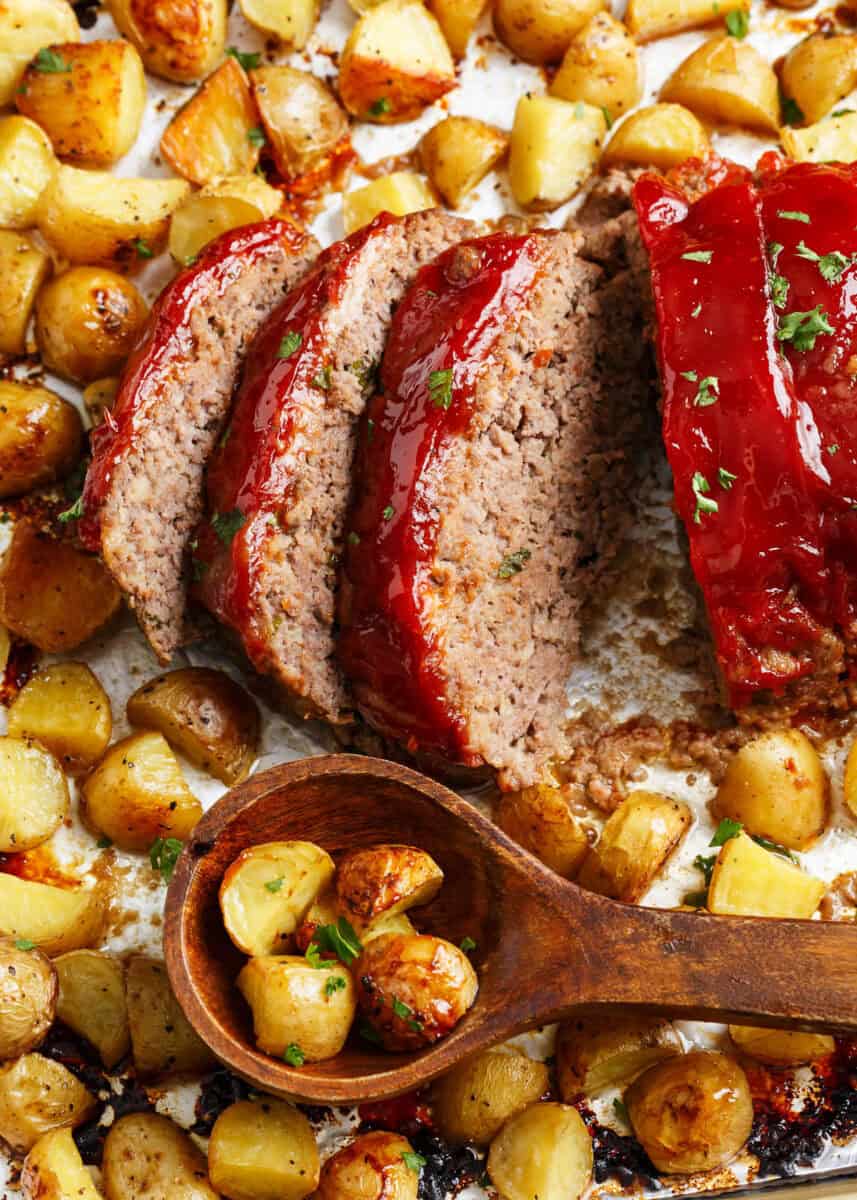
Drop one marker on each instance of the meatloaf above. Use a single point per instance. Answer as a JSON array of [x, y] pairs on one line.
[[494, 477], [266, 557], [144, 489]]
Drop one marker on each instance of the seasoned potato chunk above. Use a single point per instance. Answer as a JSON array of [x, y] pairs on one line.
[[691, 1113], [227, 204], [41, 437], [24, 267], [28, 998], [298, 1007], [540, 819], [596, 1053], [53, 918], [781, 1047], [33, 795], [832, 140], [385, 881], [290, 21], [37, 1095], [543, 1153], [400, 193], [648, 19], [161, 1038], [26, 26], [727, 80], [458, 19], [539, 31], [660, 135], [177, 39], [458, 153], [27, 165], [92, 1001], [554, 148], [264, 1150], [374, 1164], [752, 882], [54, 1170], [637, 840], [601, 67], [850, 781], [66, 709], [217, 132], [475, 1099], [819, 71], [148, 1157], [395, 63], [324, 910], [137, 794], [301, 117]]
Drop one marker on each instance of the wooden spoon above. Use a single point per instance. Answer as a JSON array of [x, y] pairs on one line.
[[545, 949]]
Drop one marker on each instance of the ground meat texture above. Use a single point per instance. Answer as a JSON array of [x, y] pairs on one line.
[[144, 489], [280, 484], [493, 481]]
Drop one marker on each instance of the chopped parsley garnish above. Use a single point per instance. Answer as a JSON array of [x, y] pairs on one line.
[[843, 112], [313, 956], [249, 61], [353, 538], [370, 431], [703, 256], [802, 328], [707, 392], [737, 23], [322, 379], [380, 106], [697, 310], [274, 885], [290, 343], [365, 372], [72, 514], [256, 136], [413, 1161], [335, 984], [513, 564], [620, 1110], [774, 249], [405, 1013], [225, 436], [440, 388], [226, 525], [607, 117], [164, 855], [773, 847], [50, 62], [104, 842], [696, 899], [830, 266], [691, 376], [467, 944], [833, 448], [294, 1056], [388, 513], [198, 569], [143, 248], [701, 487], [340, 939], [789, 215], [705, 863], [726, 830], [779, 290], [791, 110], [725, 478], [24, 944], [369, 1032]]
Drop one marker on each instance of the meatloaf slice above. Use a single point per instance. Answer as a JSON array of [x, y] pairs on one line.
[[279, 485], [493, 480], [144, 488]]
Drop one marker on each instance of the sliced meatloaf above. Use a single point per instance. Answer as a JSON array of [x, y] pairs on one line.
[[279, 485], [493, 479], [144, 488]]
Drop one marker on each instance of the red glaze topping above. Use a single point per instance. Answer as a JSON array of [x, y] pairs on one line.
[[442, 336]]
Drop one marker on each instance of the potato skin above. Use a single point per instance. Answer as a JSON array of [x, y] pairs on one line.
[[601, 66], [385, 880], [458, 153], [540, 819], [28, 999], [370, 1168], [67, 711], [595, 1053], [291, 1005], [302, 119], [24, 267], [539, 31], [474, 1100], [648, 19], [92, 1001], [41, 437], [36, 1095], [635, 843], [458, 19], [819, 72], [148, 1157], [177, 39], [54, 1170], [161, 1038], [545, 1152], [263, 1150], [727, 80], [34, 799], [781, 1047]]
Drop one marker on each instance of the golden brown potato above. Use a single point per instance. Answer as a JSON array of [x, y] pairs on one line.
[[373, 1166], [596, 1053], [554, 148], [540, 819], [601, 67], [832, 140], [206, 715], [90, 103], [819, 71], [161, 1038], [397, 923], [25, 27], [34, 796], [137, 794], [177, 39], [636, 841], [53, 918], [458, 19], [752, 882], [395, 63], [660, 136], [217, 132], [850, 780], [290, 21], [648, 19], [54, 1170], [41, 437], [727, 80], [264, 1150], [301, 1011], [148, 1157], [28, 998], [324, 910], [267, 890], [691, 1113], [216, 208], [27, 165], [781, 1047], [384, 881], [539, 31], [99, 396], [303, 122], [92, 1001], [543, 1153], [475, 1099], [37, 1095], [413, 988], [23, 268], [66, 709], [458, 153], [400, 193]]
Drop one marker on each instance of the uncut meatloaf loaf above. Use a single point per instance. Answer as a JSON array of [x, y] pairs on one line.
[[144, 488], [494, 477], [280, 482]]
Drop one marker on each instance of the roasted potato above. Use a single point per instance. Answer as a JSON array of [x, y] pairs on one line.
[[400, 193], [475, 1099], [458, 19], [264, 1150], [177, 39], [397, 923], [54, 1170], [601, 67], [92, 1001], [37, 1095], [850, 780], [27, 165], [24, 267], [137, 794], [691, 1113], [98, 218], [91, 104], [752, 882], [217, 132], [660, 136], [819, 71], [303, 122], [67, 711], [543, 1153], [87, 321], [161, 1038], [384, 881], [99, 396], [266, 892], [832, 140], [41, 437], [395, 63], [727, 80], [26, 26], [458, 153], [298, 1005], [540, 819], [636, 841], [53, 918], [594, 1053], [28, 998], [374, 1165], [781, 1047], [33, 795], [148, 1157], [413, 988], [648, 19], [539, 31], [290, 21], [227, 204], [554, 147]]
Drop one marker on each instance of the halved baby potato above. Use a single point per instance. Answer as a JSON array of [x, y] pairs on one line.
[[27, 165], [33, 795], [554, 148], [596, 1053], [148, 1157], [540, 819], [659, 135], [820, 71], [54, 1170], [24, 267], [41, 436], [750, 881], [91, 1001], [458, 153], [545, 1152], [457, 19], [216, 208], [28, 998], [383, 881], [473, 1101], [401, 193], [301, 117], [297, 1005], [217, 132], [833, 139], [636, 841], [648, 19], [177, 39], [290, 21], [727, 80], [162, 1039], [539, 31], [66, 709], [264, 1149], [781, 1047], [26, 26], [53, 918], [37, 1095], [601, 67]]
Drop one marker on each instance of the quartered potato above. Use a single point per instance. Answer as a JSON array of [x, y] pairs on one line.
[[266, 892], [554, 148], [92, 1003], [781, 1047], [401, 193], [540, 820], [53, 918], [832, 140], [206, 715], [265, 1150], [177, 39], [596, 1053], [301, 117], [543, 1153], [372, 1167], [25, 27], [539, 31], [161, 1038], [290, 21], [67, 711], [636, 841], [296, 1004], [28, 998], [601, 67], [137, 794], [458, 19], [216, 208], [37, 1095], [749, 881], [475, 1099], [458, 153], [41, 437], [148, 1157], [819, 71], [385, 881], [216, 132], [691, 1113], [660, 136], [54, 1170], [33, 795], [24, 267], [27, 165], [648, 19], [727, 80]]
